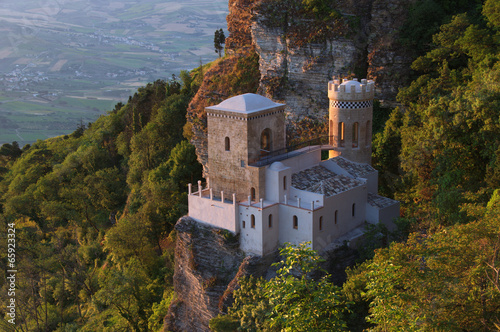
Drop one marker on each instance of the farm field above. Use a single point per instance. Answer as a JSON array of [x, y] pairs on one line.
[[66, 62]]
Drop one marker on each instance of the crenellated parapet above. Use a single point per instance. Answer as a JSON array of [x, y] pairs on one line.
[[351, 90]]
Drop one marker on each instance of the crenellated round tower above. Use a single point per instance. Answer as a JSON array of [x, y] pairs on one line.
[[350, 119]]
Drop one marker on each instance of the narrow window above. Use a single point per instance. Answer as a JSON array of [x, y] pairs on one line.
[[295, 222], [252, 193], [242, 163], [353, 208], [321, 223], [336, 214], [284, 183], [270, 220], [243, 223], [355, 135], [368, 137], [330, 133], [265, 141], [227, 144], [341, 134], [252, 221]]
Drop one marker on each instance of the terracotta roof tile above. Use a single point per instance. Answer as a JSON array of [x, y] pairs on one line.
[[380, 201], [320, 180], [355, 169]]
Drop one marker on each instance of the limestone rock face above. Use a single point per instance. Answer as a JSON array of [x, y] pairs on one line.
[[298, 76], [208, 265], [389, 62]]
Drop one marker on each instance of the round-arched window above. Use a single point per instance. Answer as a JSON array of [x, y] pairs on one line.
[[265, 140]]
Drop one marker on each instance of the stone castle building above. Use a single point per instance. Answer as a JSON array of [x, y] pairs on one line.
[[270, 194]]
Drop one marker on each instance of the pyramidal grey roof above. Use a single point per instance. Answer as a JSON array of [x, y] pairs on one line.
[[246, 103]]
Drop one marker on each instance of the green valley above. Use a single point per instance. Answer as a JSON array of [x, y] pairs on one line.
[[63, 63]]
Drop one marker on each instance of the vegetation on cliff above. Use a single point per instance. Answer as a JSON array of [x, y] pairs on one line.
[[92, 213], [94, 210]]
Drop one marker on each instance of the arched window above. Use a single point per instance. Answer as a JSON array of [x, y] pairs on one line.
[[265, 141], [252, 221], [227, 144], [321, 223], [336, 215], [243, 223], [295, 222], [270, 220], [368, 134], [353, 209], [341, 134], [252, 193], [355, 134], [284, 183]]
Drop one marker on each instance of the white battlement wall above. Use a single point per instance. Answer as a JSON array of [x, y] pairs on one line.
[[213, 212]]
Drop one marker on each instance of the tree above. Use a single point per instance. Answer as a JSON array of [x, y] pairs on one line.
[[219, 40], [446, 281], [450, 125], [291, 301]]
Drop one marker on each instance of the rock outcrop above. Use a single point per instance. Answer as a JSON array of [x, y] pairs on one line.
[[208, 264], [388, 61], [297, 76]]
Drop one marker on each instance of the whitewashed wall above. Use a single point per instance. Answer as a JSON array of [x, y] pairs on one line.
[[213, 212]]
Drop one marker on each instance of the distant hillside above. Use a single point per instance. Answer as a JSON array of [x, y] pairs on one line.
[[66, 62]]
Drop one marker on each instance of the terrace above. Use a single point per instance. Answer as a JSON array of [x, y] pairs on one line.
[[319, 143]]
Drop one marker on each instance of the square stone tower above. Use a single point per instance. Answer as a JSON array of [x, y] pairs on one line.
[[350, 119], [241, 129]]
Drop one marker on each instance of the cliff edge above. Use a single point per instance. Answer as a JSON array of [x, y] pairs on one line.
[[208, 264]]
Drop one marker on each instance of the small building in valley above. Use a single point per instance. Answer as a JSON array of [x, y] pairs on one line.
[[270, 193]]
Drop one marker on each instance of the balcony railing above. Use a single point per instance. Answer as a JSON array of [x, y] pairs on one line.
[[292, 150]]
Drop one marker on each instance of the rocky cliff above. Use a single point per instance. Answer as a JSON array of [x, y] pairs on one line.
[[208, 265], [368, 47], [297, 74]]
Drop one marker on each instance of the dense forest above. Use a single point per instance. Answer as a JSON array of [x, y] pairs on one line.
[[94, 211]]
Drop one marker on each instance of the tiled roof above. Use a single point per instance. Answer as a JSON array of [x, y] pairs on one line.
[[379, 201], [320, 180], [355, 169]]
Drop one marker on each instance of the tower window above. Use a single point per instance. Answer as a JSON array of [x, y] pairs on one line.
[[265, 141], [295, 222], [331, 132], [321, 223], [284, 183], [252, 221], [252, 193], [353, 209], [368, 137], [227, 144], [270, 220], [355, 135], [341, 134], [336, 215], [243, 223]]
